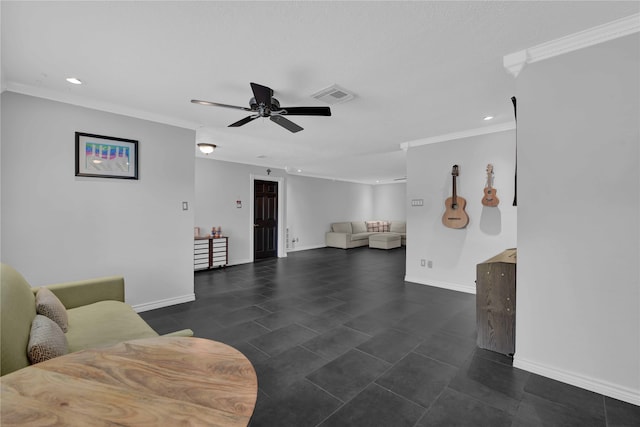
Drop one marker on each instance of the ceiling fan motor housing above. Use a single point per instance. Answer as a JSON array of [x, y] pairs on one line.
[[263, 110]]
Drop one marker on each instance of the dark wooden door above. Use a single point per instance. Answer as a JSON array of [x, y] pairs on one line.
[[265, 219]]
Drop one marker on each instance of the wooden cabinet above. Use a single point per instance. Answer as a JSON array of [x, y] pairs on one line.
[[496, 302], [210, 252]]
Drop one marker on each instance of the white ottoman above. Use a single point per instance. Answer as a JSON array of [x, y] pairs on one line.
[[385, 240]]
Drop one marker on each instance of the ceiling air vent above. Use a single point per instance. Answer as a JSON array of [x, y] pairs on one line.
[[333, 95]]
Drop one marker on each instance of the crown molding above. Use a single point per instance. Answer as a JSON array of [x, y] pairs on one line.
[[81, 101], [501, 127], [515, 62]]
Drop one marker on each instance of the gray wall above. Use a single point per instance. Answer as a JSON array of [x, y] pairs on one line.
[[59, 227], [578, 305]]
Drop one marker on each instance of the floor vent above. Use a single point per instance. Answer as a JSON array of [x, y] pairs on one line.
[[333, 95]]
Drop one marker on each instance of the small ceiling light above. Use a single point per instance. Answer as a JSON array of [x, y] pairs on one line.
[[74, 81], [206, 148], [487, 118]]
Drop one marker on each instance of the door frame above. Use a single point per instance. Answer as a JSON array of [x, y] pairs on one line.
[[282, 253]]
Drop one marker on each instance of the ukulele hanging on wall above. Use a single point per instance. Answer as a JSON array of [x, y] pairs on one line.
[[454, 215], [490, 198]]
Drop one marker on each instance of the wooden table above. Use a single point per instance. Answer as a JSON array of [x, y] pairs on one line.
[[168, 381]]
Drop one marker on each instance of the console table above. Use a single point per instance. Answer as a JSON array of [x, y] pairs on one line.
[[163, 381], [210, 252]]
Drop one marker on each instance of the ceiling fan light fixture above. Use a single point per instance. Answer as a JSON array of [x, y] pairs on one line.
[[206, 148]]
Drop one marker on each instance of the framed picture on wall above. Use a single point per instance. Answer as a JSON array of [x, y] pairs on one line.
[[106, 157]]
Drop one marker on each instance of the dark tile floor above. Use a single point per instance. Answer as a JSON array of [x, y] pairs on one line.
[[338, 338]]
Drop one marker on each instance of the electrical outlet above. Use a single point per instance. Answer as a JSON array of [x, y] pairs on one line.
[[422, 262], [430, 264]]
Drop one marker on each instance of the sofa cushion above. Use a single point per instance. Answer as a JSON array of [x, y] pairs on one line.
[[341, 227], [358, 227], [398, 227], [46, 340], [361, 236], [47, 304], [103, 324]]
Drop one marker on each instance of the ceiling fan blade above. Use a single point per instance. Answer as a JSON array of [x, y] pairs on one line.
[[306, 111], [286, 123], [243, 121], [262, 94], [217, 104]]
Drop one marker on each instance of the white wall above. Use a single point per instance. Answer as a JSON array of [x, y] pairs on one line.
[[455, 253], [59, 227], [390, 202], [578, 305], [218, 185], [311, 204]]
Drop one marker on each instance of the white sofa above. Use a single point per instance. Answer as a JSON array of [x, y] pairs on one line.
[[352, 234]]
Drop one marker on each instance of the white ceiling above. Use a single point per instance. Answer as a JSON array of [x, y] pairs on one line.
[[417, 69]]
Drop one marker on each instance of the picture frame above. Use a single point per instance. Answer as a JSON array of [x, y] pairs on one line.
[[103, 156]]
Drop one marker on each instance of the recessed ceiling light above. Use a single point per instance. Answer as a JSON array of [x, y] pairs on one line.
[[299, 170], [74, 81], [487, 118]]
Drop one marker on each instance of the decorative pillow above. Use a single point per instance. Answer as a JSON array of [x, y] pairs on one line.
[[46, 340], [49, 305], [373, 226], [384, 226]]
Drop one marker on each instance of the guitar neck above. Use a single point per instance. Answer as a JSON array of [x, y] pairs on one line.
[[454, 196]]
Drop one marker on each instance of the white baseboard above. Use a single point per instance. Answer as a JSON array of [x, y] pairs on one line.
[[238, 261], [469, 289], [139, 308], [592, 384], [305, 248]]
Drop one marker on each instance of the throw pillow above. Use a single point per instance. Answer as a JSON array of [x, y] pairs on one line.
[[373, 226], [47, 304], [46, 340], [385, 226]]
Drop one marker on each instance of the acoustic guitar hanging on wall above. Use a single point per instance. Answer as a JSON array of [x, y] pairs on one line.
[[454, 215], [490, 198]]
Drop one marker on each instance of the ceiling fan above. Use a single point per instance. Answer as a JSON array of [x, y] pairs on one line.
[[263, 104]]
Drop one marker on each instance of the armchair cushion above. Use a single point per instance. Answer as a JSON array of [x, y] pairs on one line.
[[47, 304], [46, 340]]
